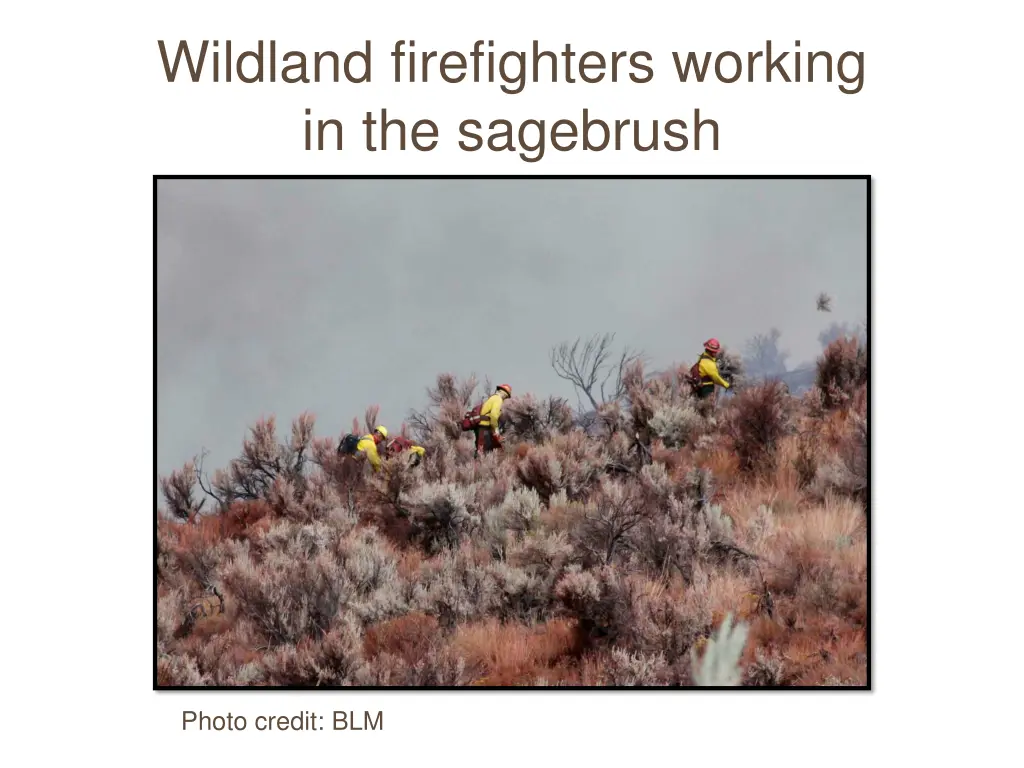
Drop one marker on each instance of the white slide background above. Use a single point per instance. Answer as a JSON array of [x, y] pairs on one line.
[[88, 119]]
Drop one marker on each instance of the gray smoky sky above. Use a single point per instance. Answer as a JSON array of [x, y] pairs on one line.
[[279, 296]]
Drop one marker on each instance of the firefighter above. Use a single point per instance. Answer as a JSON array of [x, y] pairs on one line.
[[488, 437], [705, 371], [367, 446], [402, 445]]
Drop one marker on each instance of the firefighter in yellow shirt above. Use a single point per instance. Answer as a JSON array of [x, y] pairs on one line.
[[367, 446], [402, 445], [488, 438], [705, 371]]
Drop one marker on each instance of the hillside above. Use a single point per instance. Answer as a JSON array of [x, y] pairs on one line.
[[607, 557]]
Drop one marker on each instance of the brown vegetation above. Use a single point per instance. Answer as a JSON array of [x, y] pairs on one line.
[[602, 557]]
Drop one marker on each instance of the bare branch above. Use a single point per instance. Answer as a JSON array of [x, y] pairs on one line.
[[201, 475], [586, 365]]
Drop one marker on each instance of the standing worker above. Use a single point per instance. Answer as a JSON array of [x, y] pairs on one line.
[[488, 438], [704, 373]]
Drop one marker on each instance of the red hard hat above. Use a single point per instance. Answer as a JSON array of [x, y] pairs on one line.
[[712, 345], [507, 389]]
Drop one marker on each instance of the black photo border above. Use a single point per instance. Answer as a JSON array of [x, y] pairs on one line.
[[867, 179]]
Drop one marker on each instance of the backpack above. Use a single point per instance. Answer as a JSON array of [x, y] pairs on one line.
[[348, 444], [471, 419], [694, 378]]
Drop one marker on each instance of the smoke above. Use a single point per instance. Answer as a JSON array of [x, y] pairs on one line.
[[278, 296]]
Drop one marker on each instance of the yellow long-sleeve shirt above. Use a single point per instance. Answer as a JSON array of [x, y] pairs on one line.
[[709, 372], [368, 446], [401, 445], [490, 412], [416, 454]]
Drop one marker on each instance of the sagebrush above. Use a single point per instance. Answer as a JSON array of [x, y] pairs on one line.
[[658, 544]]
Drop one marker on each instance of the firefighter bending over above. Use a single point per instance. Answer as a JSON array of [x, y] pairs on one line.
[[402, 445], [364, 447]]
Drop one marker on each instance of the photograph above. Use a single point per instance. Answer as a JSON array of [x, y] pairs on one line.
[[512, 432]]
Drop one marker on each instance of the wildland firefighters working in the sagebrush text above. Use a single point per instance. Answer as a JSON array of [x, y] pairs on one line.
[[530, 137]]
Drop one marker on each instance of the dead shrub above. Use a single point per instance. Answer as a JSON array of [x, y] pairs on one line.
[[756, 422], [264, 460], [853, 451], [541, 471], [246, 519], [449, 398], [806, 460], [614, 510], [841, 370], [408, 637]]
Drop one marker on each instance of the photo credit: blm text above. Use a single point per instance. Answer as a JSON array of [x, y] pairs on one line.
[[306, 720]]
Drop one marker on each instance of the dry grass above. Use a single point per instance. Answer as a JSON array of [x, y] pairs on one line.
[[408, 637], [511, 654]]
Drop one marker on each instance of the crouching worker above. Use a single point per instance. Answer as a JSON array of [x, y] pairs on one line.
[[402, 446], [488, 437], [364, 447]]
